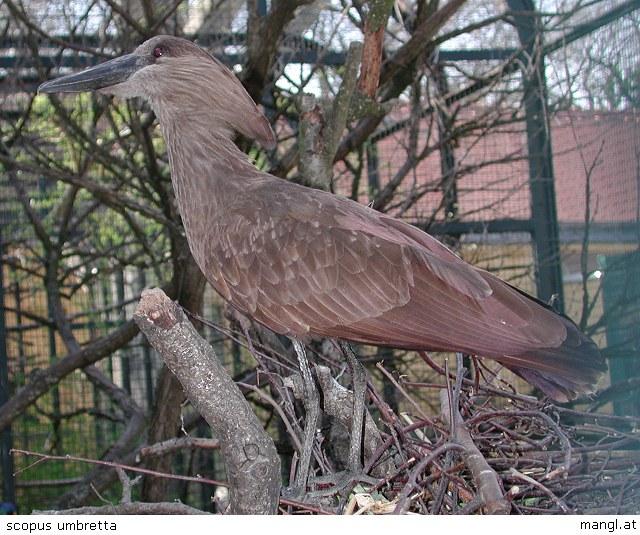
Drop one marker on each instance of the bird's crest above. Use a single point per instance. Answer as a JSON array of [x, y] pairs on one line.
[[235, 107]]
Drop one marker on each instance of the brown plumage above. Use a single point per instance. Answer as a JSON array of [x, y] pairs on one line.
[[308, 263]]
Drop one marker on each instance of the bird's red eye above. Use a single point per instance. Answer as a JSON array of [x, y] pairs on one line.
[[158, 51]]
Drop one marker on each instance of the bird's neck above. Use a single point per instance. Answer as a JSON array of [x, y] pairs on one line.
[[205, 163], [208, 172]]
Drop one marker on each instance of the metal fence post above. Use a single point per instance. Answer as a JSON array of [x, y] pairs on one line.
[[147, 360], [125, 363], [546, 234], [6, 440]]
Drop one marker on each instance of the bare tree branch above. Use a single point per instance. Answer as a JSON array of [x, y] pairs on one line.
[[134, 508], [253, 465]]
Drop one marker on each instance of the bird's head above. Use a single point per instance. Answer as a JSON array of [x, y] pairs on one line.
[[178, 78]]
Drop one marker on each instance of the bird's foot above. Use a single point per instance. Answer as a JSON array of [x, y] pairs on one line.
[[338, 483], [331, 491], [294, 492]]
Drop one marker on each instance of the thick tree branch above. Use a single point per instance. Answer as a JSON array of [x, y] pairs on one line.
[[485, 477], [320, 130], [134, 508], [398, 72], [253, 465], [164, 424], [263, 35], [417, 44], [372, 51]]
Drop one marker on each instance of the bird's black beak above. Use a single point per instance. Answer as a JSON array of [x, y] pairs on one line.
[[112, 72]]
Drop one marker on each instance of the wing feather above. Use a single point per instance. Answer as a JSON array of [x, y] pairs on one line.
[[329, 267], [364, 270]]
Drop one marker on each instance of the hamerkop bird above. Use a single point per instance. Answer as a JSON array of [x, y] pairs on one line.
[[305, 262]]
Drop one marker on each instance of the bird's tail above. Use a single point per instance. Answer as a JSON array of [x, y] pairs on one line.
[[565, 372]]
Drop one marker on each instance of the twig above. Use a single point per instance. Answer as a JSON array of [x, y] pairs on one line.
[[42, 457], [564, 440], [540, 486], [181, 443], [412, 483], [402, 391], [285, 420]]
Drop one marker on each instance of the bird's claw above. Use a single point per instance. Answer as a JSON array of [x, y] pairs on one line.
[[338, 483]]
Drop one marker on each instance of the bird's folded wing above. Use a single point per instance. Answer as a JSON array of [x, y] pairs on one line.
[[324, 266], [334, 275]]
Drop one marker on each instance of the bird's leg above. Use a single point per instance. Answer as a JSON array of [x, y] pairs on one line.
[[311, 404], [359, 380]]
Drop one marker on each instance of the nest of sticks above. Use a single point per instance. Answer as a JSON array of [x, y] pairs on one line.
[[487, 449]]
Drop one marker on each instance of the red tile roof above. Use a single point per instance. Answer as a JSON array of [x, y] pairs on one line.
[[500, 189]]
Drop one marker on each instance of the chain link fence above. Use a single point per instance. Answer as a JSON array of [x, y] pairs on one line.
[[470, 184]]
